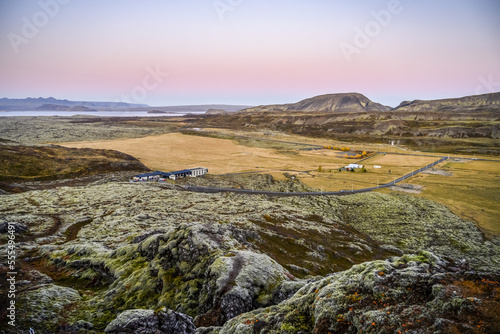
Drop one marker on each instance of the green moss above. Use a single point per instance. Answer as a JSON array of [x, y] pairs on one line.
[[296, 321], [421, 257]]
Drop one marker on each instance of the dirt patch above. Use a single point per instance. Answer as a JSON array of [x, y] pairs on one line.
[[408, 188], [435, 171]]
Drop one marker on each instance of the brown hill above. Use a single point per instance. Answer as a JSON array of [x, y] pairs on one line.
[[343, 102], [476, 103], [36, 163]]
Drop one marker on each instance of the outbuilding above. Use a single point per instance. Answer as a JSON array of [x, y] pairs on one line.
[[198, 171], [353, 166]]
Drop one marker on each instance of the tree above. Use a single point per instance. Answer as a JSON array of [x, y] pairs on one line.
[[320, 169]]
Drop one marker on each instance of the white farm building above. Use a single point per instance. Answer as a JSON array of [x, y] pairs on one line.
[[353, 166], [162, 176]]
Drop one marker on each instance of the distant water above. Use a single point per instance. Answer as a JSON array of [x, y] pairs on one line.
[[92, 113]]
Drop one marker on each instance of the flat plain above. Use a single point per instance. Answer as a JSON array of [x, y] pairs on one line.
[[471, 191]]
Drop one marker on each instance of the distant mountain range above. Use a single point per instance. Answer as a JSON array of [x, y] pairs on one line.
[[35, 103], [52, 104], [329, 103], [355, 102]]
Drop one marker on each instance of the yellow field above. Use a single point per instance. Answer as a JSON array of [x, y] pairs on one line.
[[176, 151], [472, 192]]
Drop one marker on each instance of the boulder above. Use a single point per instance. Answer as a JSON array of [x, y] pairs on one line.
[[148, 322], [44, 307], [407, 293]]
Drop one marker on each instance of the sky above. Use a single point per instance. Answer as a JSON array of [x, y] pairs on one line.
[[249, 52]]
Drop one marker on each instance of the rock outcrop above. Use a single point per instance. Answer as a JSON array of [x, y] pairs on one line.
[[149, 322], [414, 293], [196, 270]]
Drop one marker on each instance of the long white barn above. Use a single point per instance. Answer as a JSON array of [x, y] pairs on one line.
[[162, 176]]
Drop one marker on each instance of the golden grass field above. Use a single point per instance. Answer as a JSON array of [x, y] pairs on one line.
[[472, 192], [179, 151], [176, 151]]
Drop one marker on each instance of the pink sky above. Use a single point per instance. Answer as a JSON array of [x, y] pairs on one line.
[[256, 53]]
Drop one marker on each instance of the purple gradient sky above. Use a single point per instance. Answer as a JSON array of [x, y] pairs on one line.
[[258, 52]]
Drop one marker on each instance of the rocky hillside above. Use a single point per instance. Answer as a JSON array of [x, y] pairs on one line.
[[121, 257], [34, 163], [476, 103], [344, 102]]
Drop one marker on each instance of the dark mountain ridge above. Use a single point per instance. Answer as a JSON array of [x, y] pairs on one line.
[[356, 102], [484, 102]]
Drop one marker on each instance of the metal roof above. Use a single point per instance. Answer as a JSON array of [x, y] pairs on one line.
[[184, 171], [163, 174], [154, 174]]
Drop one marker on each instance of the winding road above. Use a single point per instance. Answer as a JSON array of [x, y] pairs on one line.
[[323, 193]]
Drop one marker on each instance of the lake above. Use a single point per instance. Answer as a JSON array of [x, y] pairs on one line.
[[92, 113]]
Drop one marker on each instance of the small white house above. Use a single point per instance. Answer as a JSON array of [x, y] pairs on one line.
[[353, 166]]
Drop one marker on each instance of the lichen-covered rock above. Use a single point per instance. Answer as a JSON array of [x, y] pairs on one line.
[[406, 223], [148, 322], [197, 269], [410, 293], [123, 246], [16, 227], [79, 327], [45, 308], [240, 282]]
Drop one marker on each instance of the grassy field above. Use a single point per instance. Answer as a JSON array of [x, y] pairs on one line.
[[472, 192], [176, 151]]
